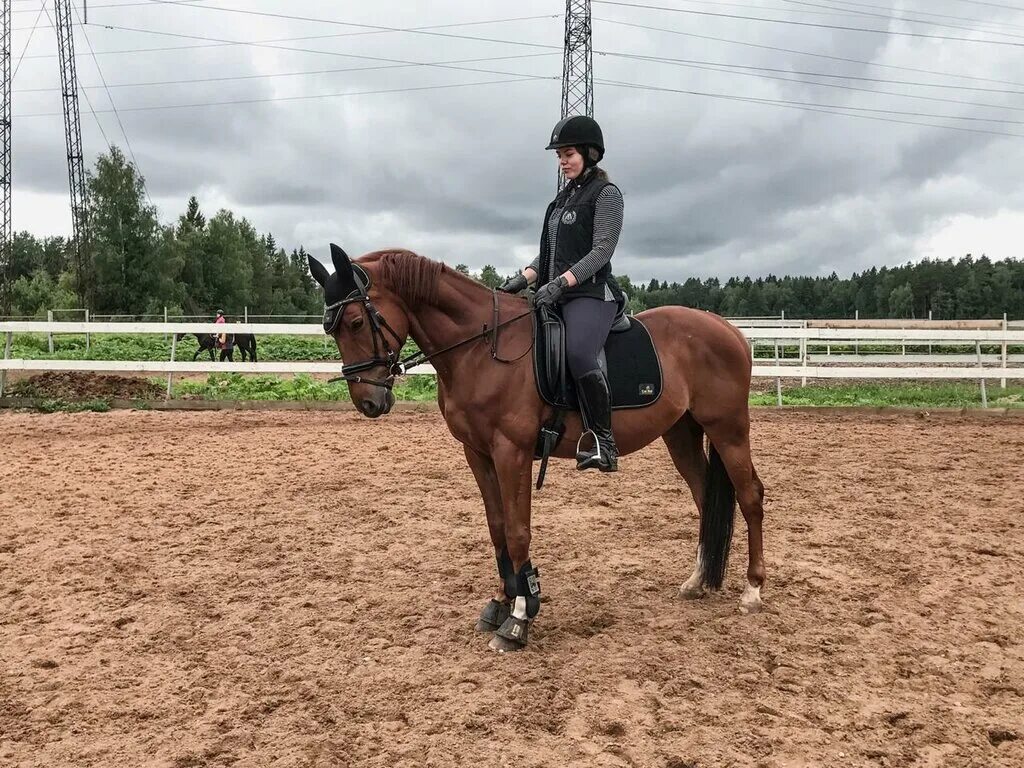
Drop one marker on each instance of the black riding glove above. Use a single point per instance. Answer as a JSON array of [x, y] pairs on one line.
[[514, 284], [549, 293]]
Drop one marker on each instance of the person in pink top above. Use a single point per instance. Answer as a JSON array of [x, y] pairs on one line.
[[222, 338]]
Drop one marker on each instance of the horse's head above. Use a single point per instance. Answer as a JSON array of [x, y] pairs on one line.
[[369, 324]]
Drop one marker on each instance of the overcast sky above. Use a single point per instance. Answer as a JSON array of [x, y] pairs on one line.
[[713, 186]]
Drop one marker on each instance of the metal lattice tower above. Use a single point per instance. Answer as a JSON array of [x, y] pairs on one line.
[[578, 61], [577, 64], [73, 137], [6, 227]]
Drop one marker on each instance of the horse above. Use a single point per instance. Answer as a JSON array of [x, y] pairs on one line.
[[246, 343], [490, 403]]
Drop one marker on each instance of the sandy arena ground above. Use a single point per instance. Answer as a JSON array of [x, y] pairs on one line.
[[299, 589]]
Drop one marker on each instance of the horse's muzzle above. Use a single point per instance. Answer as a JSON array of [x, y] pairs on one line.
[[374, 407]]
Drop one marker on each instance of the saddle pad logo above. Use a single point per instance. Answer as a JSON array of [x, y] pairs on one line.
[[569, 217], [646, 390]]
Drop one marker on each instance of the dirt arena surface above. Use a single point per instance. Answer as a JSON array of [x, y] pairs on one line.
[[299, 589]]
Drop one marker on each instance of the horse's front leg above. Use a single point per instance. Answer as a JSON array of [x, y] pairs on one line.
[[499, 606], [514, 466]]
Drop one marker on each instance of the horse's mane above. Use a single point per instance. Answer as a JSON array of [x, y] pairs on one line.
[[413, 277]]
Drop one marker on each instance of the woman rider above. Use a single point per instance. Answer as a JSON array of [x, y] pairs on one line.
[[573, 271]]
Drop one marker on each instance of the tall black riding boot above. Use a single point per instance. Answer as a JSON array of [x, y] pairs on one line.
[[596, 407]]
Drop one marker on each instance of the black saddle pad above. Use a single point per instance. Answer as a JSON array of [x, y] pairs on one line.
[[630, 360]]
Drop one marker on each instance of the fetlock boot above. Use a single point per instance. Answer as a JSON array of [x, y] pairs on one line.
[[596, 408]]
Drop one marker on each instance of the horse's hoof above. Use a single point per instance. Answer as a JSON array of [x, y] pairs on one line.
[[512, 635], [492, 616], [691, 593], [503, 645], [750, 600]]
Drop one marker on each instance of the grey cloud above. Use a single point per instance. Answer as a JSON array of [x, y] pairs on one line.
[[711, 186]]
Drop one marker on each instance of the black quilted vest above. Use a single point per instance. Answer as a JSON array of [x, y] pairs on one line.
[[574, 238]]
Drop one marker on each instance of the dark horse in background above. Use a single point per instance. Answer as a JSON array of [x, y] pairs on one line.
[[493, 408], [246, 343]]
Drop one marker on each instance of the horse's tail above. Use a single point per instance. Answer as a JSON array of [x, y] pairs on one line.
[[716, 522]]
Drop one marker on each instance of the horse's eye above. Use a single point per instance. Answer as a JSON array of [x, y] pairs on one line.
[[357, 324]]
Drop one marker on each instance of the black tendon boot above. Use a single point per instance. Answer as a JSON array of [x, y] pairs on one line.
[[596, 406]]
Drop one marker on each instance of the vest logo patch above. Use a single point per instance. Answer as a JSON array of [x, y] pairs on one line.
[[646, 390], [569, 217]]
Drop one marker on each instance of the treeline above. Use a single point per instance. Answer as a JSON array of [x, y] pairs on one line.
[[136, 265], [968, 288]]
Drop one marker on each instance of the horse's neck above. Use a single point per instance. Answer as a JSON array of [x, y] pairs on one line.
[[460, 311]]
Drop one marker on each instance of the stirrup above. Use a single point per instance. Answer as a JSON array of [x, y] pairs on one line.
[[599, 459]]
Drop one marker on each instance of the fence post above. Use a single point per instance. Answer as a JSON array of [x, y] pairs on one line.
[[87, 334], [778, 379], [803, 359], [984, 396], [856, 343], [1002, 381], [929, 343], [170, 374], [7, 356], [49, 334], [165, 323], [246, 310]]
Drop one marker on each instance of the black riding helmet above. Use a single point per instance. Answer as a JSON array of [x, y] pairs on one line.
[[579, 131]]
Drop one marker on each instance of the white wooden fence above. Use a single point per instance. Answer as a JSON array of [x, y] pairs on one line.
[[812, 361]]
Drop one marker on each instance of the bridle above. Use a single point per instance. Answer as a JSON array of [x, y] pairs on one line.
[[379, 325]]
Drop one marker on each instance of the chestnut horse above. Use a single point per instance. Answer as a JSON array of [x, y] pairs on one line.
[[488, 397]]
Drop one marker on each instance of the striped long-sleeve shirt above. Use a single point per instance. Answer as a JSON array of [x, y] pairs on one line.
[[608, 214]]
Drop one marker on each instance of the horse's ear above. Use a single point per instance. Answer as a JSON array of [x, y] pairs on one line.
[[318, 270], [342, 265]]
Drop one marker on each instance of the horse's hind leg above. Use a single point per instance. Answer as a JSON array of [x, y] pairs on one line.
[[497, 610], [685, 442], [732, 441]]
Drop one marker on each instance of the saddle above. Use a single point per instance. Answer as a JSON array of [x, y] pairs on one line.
[[628, 359]]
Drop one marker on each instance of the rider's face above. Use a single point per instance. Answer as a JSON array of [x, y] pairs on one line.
[[570, 161]]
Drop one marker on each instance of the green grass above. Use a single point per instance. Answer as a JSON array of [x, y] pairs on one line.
[[898, 395], [34, 346], [54, 405], [237, 386]]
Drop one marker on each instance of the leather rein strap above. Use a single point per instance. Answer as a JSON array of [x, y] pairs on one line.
[[395, 367]]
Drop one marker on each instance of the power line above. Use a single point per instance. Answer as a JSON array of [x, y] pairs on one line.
[[197, 80], [734, 69], [803, 23], [845, 3], [331, 53], [337, 53], [39, 15], [888, 17], [994, 5], [860, 78], [109, 5], [806, 107], [296, 39], [813, 54], [311, 97]]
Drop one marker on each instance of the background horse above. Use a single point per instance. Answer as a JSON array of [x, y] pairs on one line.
[[246, 343], [493, 409]]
